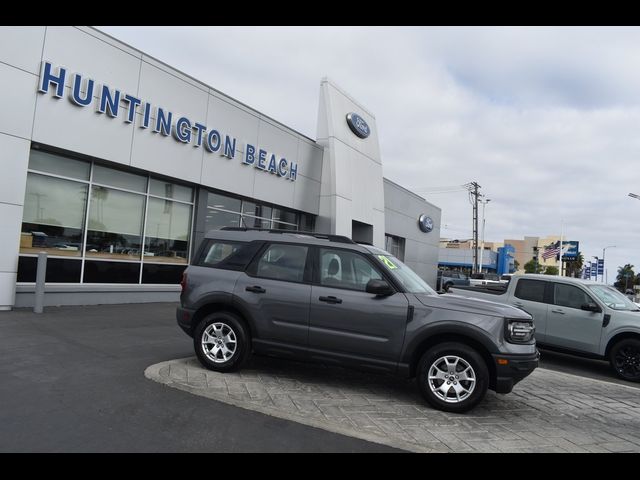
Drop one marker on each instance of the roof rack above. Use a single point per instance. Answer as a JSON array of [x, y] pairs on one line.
[[324, 236]]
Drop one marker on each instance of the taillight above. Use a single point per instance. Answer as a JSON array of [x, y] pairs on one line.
[[183, 281]]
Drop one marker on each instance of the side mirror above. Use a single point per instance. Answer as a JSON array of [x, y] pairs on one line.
[[590, 307], [379, 287]]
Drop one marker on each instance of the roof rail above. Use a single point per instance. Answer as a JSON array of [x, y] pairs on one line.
[[326, 236]]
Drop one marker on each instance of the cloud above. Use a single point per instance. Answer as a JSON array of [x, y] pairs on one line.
[[545, 119]]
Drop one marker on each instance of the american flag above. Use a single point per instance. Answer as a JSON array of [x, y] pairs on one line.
[[551, 251]]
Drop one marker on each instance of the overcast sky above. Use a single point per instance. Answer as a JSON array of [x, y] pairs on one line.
[[546, 120]]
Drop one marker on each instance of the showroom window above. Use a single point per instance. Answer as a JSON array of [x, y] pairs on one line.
[[395, 246], [103, 225], [227, 211]]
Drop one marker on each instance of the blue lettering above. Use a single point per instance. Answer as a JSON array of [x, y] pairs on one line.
[[293, 171], [213, 141], [229, 147], [272, 164], [47, 78], [146, 116], [163, 122], [182, 130], [133, 103], [282, 167], [261, 158], [109, 103], [199, 131], [76, 91], [249, 154]]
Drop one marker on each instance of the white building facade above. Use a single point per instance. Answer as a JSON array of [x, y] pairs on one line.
[[116, 164]]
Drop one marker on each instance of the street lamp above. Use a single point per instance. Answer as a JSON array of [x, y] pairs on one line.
[[484, 203], [604, 267]]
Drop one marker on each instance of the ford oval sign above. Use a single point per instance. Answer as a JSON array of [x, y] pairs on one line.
[[425, 223], [358, 125]]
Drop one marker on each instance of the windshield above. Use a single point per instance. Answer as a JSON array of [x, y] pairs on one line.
[[613, 298], [409, 279]]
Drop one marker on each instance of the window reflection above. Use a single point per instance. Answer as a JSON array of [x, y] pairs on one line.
[[115, 224], [167, 231]]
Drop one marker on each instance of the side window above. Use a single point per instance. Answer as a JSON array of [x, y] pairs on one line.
[[226, 255], [283, 262], [532, 290], [344, 269], [570, 296]]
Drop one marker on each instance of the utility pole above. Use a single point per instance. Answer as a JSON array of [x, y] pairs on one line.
[[603, 264], [484, 204], [474, 193]]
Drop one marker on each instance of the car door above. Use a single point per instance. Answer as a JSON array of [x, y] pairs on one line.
[[347, 324], [568, 325], [275, 291], [532, 296]]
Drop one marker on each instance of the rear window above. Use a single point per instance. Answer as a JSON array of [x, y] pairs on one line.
[[226, 255], [532, 290]]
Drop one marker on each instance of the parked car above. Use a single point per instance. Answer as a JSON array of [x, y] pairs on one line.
[[325, 298], [484, 279], [575, 316], [448, 278]]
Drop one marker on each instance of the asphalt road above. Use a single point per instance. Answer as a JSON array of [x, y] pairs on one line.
[[72, 380]]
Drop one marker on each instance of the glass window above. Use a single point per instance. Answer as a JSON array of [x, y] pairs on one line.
[[306, 222], [227, 255], [161, 274], [570, 296], [115, 224], [166, 189], [59, 270], [283, 262], [119, 179], [215, 200], [254, 222], [111, 272], [256, 210], [613, 298], [409, 279], [216, 219], [532, 290], [53, 216], [285, 219], [66, 167], [167, 232], [395, 246], [344, 269]]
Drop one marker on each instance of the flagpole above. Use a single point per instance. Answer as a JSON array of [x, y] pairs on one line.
[[561, 233]]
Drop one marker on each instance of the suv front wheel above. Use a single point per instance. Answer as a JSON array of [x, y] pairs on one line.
[[625, 359], [452, 377], [221, 342]]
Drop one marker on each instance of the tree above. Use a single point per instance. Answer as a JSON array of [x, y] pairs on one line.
[[516, 266], [573, 268], [551, 270], [625, 278], [532, 267]]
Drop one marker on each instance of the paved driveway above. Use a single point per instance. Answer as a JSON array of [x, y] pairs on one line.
[[547, 412]]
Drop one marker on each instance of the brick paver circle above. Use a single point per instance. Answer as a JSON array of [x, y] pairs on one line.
[[547, 412]]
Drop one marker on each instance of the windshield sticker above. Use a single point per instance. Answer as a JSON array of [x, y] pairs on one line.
[[388, 263]]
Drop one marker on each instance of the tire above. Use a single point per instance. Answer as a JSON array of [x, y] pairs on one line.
[[460, 396], [447, 286], [624, 359], [234, 348]]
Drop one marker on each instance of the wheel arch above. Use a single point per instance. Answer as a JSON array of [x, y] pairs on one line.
[[617, 338], [221, 306]]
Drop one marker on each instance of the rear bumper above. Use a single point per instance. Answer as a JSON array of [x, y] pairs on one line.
[[516, 368], [184, 317]]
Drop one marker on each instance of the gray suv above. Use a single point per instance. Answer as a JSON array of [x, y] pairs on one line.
[[325, 298]]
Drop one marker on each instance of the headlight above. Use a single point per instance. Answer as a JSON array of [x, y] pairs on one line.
[[518, 331]]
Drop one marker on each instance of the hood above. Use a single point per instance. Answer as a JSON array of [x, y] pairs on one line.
[[472, 305]]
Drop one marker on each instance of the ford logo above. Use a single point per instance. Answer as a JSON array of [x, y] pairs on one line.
[[358, 125], [425, 223]]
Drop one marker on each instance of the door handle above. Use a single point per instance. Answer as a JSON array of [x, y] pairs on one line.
[[255, 289], [561, 312], [330, 299]]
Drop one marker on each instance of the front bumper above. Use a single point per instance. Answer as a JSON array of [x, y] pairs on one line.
[[510, 369], [184, 317]]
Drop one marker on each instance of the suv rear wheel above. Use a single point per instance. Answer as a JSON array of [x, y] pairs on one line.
[[625, 359], [221, 342], [452, 377]]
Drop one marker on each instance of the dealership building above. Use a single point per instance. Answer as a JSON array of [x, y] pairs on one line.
[[116, 164]]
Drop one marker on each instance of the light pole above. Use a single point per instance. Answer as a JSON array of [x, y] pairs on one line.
[[604, 267], [484, 203]]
